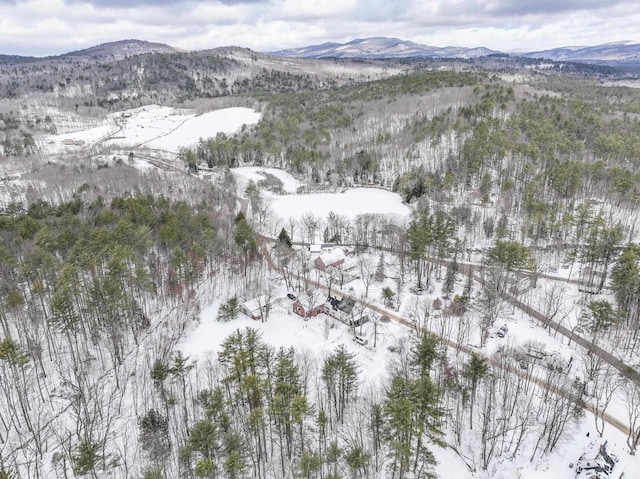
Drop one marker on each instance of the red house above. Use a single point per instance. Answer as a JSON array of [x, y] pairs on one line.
[[331, 258], [301, 310]]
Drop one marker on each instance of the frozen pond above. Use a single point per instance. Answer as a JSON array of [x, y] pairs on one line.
[[350, 203]]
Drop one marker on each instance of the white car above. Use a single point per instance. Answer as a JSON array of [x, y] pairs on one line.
[[360, 340]]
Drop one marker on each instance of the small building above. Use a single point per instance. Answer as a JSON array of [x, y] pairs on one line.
[[319, 248], [256, 308], [315, 248], [306, 312]]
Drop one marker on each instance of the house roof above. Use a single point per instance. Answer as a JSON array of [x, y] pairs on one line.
[[346, 305], [253, 305], [331, 257], [318, 302], [343, 304]]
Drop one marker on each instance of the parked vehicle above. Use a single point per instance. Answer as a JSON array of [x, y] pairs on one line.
[[502, 332], [360, 340], [291, 296]]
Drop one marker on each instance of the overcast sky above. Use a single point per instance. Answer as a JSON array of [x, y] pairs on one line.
[[48, 27]]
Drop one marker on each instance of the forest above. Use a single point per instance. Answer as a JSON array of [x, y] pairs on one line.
[[522, 186]]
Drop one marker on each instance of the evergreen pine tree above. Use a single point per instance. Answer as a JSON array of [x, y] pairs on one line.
[[284, 239]]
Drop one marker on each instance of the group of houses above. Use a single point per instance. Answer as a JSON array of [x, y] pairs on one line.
[[331, 259], [323, 257], [340, 308], [72, 142]]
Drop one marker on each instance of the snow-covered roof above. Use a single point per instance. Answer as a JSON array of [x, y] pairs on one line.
[[304, 302], [332, 257], [253, 305]]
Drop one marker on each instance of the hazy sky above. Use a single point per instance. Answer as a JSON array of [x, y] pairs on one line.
[[47, 27]]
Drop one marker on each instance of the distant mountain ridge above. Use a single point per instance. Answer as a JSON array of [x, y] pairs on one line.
[[106, 51], [383, 47], [615, 53], [122, 49], [611, 53]]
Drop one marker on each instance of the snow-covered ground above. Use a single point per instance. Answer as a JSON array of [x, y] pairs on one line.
[[314, 336], [194, 127], [77, 140], [318, 337], [169, 129], [154, 126], [244, 174], [350, 203]]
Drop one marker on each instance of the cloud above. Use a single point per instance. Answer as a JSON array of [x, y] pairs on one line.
[[133, 4], [313, 9], [41, 27], [537, 7]]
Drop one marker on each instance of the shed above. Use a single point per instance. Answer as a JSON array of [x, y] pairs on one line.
[[255, 308]]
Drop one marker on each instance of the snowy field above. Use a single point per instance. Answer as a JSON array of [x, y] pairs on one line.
[[154, 126], [351, 203], [194, 127], [319, 335], [77, 140]]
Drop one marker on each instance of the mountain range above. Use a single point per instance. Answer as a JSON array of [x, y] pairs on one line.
[[381, 47], [617, 53]]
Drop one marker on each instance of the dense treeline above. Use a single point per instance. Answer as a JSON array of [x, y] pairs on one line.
[[116, 81], [81, 286]]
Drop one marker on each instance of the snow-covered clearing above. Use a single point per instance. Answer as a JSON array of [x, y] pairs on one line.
[[77, 140], [194, 127], [319, 335], [154, 126], [350, 203]]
